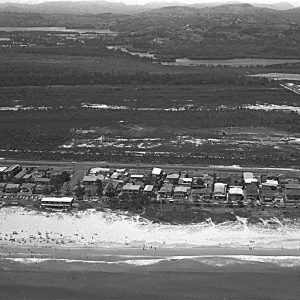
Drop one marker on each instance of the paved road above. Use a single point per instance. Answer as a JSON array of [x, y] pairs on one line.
[[84, 166]]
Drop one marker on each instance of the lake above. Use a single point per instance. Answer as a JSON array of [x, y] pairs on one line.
[[56, 29], [140, 54], [236, 62]]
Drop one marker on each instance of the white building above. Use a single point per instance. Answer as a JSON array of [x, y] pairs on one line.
[[57, 202]]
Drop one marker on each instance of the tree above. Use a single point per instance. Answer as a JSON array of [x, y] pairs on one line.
[[67, 190], [110, 190], [46, 190], [79, 190], [57, 185], [99, 190]]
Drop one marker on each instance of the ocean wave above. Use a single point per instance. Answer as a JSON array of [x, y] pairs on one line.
[[210, 260]]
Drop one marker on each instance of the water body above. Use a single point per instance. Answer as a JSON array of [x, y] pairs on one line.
[[236, 62], [55, 29], [140, 54]]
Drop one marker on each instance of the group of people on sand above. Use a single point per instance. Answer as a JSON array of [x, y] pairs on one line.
[[145, 248]]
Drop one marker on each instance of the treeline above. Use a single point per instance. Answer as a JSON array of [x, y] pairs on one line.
[[40, 76], [65, 119], [70, 50]]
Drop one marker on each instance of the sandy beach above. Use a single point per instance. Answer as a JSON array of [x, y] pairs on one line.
[[108, 255]]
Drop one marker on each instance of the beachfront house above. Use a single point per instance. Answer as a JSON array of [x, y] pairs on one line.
[[112, 187], [57, 202], [181, 193], [166, 191], [251, 192], [235, 195], [199, 195], [131, 190], [268, 191], [292, 194], [220, 191]]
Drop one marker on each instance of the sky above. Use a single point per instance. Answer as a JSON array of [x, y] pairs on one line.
[[293, 2]]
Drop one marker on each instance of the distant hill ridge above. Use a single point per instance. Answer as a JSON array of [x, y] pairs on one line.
[[99, 7]]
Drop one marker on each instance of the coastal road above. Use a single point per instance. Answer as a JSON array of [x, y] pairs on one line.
[[85, 165]]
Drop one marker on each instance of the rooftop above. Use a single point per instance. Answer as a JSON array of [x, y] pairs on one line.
[[39, 179], [166, 188], [148, 188], [292, 186], [156, 171], [182, 189], [136, 176], [57, 199], [12, 186], [131, 187], [2, 169], [292, 192], [172, 176], [92, 178], [11, 168], [235, 191], [99, 170]]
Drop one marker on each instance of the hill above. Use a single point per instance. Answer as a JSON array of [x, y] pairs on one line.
[[224, 31]]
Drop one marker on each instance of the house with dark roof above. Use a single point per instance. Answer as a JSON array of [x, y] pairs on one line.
[[42, 181], [19, 178], [172, 178], [292, 194], [11, 171], [12, 188]]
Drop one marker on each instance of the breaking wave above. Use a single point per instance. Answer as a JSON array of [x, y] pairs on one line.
[[211, 260]]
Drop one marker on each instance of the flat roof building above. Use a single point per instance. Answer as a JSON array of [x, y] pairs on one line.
[[57, 202]]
